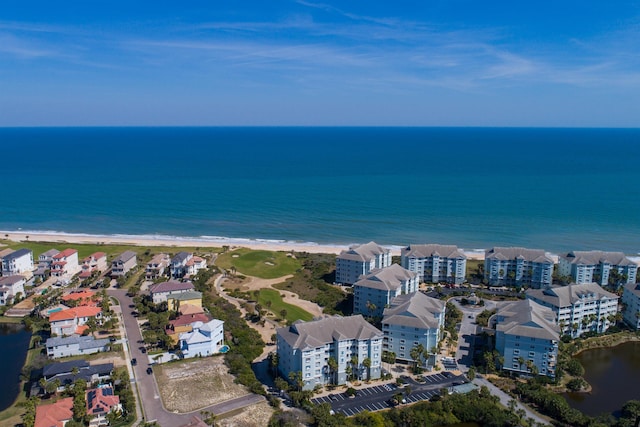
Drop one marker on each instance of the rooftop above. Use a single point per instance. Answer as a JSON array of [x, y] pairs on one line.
[[388, 278], [528, 319], [415, 310], [530, 255], [71, 313], [170, 287], [64, 254], [564, 296], [54, 414], [429, 250], [363, 253], [17, 254], [125, 256], [598, 257]]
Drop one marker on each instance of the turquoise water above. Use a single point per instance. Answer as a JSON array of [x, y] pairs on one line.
[[556, 189]]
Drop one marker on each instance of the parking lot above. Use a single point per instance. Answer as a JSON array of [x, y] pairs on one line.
[[378, 397]]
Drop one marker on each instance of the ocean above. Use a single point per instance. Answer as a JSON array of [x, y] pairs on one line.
[[553, 189]]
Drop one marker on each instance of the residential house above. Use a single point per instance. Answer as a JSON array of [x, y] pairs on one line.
[[44, 264], [598, 267], [306, 347], [205, 339], [123, 263], [360, 260], [56, 414], [412, 320], [10, 287], [578, 308], [18, 262], [178, 266], [631, 304], [527, 338], [184, 323], [373, 292], [161, 291], [157, 266], [435, 263], [80, 297], [73, 320], [94, 262], [65, 263], [72, 370], [518, 267], [194, 265], [101, 401], [190, 297], [75, 345]]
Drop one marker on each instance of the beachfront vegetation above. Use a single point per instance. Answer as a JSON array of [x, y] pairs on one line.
[[263, 264], [313, 282], [271, 298]]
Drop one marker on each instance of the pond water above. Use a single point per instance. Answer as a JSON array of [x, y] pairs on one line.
[[614, 374], [14, 343]]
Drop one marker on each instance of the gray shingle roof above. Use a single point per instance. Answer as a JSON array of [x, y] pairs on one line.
[[388, 278], [170, 287], [429, 250], [10, 280], [365, 252], [531, 255], [180, 258], [187, 295], [50, 253], [564, 296], [84, 342], [17, 254], [125, 256], [527, 318], [633, 288], [302, 335], [415, 310], [597, 257]]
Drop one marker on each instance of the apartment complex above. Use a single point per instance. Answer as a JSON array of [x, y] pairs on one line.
[[412, 320], [631, 302], [598, 267], [435, 263], [527, 338], [360, 260], [518, 267], [578, 308], [306, 347], [373, 292]]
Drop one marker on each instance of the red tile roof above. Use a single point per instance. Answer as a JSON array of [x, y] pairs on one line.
[[65, 253], [101, 400], [74, 296], [187, 319], [82, 311], [54, 414]]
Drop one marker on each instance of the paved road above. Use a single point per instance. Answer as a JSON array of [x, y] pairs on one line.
[[377, 397]]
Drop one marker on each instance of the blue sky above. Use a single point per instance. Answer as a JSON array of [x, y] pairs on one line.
[[400, 63]]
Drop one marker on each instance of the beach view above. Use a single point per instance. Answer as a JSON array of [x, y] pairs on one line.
[[319, 214]]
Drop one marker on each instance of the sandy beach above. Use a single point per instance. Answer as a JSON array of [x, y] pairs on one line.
[[204, 242]]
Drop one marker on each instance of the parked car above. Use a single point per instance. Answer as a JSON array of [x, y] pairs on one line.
[[134, 362], [149, 370]]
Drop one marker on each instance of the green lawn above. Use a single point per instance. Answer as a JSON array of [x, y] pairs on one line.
[[277, 304], [263, 264]]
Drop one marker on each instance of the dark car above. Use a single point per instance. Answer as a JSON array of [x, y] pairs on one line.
[[113, 339], [149, 370], [134, 362], [143, 349]]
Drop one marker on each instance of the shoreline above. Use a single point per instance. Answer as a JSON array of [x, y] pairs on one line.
[[201, 241]]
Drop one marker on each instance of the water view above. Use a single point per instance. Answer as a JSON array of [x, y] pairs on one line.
[[614, 374], [14, 342]]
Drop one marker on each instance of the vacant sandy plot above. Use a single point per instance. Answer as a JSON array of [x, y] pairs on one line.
[[186, 386], [255, 416]]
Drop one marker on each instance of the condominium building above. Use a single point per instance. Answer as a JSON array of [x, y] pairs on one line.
[[435, 263], [360, 260], [412, 320], [631, 303], [518, 267], [527, 338], [598, 267], [306, 347], [578, 308], [373, 292]]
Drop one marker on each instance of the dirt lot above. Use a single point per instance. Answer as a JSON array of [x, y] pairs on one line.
[[254, 416], [193, 384]]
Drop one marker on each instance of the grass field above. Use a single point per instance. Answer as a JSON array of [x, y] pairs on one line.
[[277, 305], [263, 264]]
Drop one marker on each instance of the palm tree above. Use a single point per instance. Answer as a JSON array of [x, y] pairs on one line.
[[367, 364], [355, 368], [332, 363]]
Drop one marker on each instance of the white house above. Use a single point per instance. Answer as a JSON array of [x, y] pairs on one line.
[[598, 267], [631, 303], [44, 263], [205, 339], [178, 265], [156, 267], [123, 263], [518, 267], [526, 337], [65, 263], [360, 260], [435, 263], [17, 262], [73, 320], [75, 345], [10, 287], [94, 262], [194, 265], [412, 320], [373, 292], [306, 347], [161, 291], [578, 308]]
